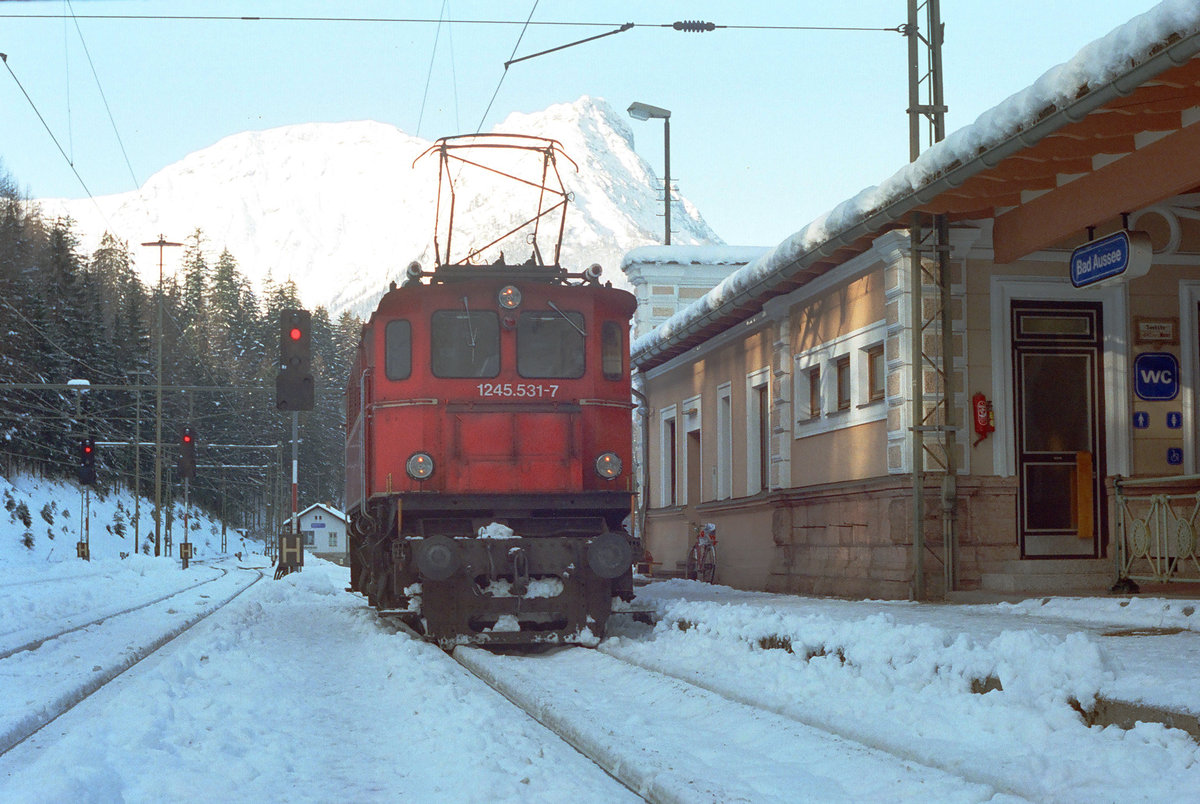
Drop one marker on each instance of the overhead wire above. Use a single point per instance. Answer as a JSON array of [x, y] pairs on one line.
[[503, 74], [103, 97], [429, 74], [453, 72], [70, 162], [67, 82], [427, 21], [75, 17]]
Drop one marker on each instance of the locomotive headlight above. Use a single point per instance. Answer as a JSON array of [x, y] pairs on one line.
[[608, 466], [419, 466], [509, 297]]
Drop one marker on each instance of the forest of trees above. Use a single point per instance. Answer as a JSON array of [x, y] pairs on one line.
[[68, 316]]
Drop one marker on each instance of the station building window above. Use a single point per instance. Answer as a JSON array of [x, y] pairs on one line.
[[724, 441], [876, 368], [842, 369], [668, 449], [839, 383]]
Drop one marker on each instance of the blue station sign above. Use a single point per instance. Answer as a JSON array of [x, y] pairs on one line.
[[1125, 255]]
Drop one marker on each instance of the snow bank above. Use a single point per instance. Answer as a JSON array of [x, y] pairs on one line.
[[970, 690]]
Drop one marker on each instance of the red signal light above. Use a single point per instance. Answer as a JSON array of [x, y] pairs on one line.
[[295, 334], [87, 449], [187, 439]]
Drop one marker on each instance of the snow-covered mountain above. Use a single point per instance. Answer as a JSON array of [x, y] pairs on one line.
[[341, 209]]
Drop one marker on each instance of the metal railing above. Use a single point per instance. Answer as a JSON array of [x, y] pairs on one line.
[[1157, 529]]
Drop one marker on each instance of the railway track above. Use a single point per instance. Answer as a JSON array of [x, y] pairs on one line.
[[668, 740], [79, 618], [52, 672]]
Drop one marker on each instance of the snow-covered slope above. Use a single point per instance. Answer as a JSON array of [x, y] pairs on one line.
[[341, 209], [40, 522]]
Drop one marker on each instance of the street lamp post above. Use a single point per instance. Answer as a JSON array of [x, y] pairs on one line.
[[161, 243], [644, 111]]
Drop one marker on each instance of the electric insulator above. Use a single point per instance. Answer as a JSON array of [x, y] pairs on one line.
[[694, 26]]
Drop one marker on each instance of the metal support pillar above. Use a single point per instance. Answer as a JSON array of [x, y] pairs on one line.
[[940, 419], [295, 471]]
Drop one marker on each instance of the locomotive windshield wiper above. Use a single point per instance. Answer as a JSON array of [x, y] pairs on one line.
[[567, 318], [470, 326]]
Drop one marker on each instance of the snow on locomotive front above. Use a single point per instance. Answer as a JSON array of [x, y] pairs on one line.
[[489, 453]]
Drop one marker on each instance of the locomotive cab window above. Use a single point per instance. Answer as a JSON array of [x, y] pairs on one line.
[[465, 344], [550, 344], [612, 357], [397, 349]]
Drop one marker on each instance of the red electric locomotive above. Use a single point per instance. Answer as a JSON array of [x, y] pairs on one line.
[[488, 446]]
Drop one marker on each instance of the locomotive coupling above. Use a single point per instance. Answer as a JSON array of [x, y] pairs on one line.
[[609, 555]]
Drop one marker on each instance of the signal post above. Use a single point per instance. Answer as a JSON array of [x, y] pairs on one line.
[[87, 478], [294, 391], [187, 470]]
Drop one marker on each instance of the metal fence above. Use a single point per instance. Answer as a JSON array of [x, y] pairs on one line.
[[1156, 529]]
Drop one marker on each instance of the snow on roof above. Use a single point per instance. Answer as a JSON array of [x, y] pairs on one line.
[[328, 508], [691, 255], [1095, 65]]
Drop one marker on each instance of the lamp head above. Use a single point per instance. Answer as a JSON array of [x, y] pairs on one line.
[[644, 111]]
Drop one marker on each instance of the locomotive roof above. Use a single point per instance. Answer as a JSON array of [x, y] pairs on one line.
[[549, 275]]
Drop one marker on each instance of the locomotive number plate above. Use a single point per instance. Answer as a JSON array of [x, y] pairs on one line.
[[518, 390]]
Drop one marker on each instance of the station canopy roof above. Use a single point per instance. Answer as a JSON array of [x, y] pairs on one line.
[[1115, 129]]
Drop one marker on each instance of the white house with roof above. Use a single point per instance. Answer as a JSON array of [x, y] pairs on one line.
[[324, 530]]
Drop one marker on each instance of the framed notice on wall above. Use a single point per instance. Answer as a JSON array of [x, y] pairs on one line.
[[1155, 330]]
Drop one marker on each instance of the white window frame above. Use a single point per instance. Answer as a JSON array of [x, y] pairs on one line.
[[692, 418], [725, 441], [665, 451], [824, 357]]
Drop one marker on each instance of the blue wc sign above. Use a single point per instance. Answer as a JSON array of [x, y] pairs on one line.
[[1156, 376], [1123, 255]]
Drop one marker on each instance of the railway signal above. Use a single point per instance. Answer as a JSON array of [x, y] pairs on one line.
[[87, 461], [294, 382], [187, 453]]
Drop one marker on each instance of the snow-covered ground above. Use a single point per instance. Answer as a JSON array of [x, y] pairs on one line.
[[294, 691]]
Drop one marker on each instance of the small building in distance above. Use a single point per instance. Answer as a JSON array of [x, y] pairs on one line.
[[324, 530]]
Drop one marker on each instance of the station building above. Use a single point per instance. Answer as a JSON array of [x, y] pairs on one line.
[[323, 529], [1055, 434]]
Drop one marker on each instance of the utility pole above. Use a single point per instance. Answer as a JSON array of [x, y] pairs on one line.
[[161, 243], [137, 467]]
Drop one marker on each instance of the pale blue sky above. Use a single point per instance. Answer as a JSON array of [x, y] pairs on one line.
[[769, 128]]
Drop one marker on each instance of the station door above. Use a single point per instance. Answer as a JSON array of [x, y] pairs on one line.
[[1059, 407]]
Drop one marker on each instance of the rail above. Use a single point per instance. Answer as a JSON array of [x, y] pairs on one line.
[[1156, 529]]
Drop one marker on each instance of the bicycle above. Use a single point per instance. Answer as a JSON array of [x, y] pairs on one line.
[[702, 558]]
